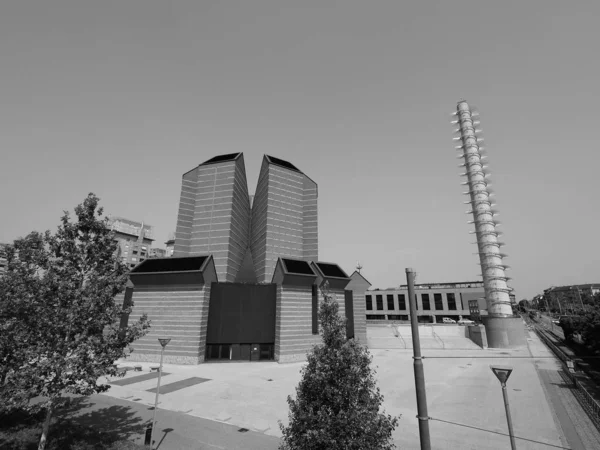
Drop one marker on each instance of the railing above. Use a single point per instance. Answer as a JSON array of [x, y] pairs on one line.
[[580, 380], [438, 338]]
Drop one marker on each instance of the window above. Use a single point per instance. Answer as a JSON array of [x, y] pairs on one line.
[[401, 301], [134, 259], [369, 302], [395, 317], [437, 299], [416, 303], [425, 300], [451, 301], [375, 317], [390, 302], [134, 252], [144, 248], [141, 259], [379, 302]]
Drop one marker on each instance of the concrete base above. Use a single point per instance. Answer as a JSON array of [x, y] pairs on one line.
[[168, 359], [504, 332]]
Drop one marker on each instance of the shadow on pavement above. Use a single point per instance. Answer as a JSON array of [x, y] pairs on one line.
[[165, 431], [118, 422]]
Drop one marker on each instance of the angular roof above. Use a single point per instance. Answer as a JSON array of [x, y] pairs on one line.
[[177, 264], [222, 158], [282, 163], [357, 273]]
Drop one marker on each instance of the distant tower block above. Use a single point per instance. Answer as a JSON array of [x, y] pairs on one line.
[[490, 257]]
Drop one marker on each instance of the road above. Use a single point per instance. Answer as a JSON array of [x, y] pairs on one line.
[[175, 430]]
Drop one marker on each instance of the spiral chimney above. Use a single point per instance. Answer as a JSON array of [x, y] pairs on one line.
[[490, 257]]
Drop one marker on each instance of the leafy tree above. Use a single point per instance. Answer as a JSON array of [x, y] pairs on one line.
[[59, 320], [337, 403]]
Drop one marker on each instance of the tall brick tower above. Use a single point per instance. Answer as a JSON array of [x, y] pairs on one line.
[[284, 217], [247, 234], [214, 213]]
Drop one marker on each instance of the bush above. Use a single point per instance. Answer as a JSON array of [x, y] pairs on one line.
[[337, 402]]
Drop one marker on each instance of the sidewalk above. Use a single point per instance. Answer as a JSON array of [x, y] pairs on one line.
[[460, 389], [174, 431]]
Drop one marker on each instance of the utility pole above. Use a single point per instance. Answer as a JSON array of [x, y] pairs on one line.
[[422, 414]]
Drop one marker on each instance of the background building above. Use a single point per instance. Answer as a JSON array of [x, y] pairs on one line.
[[2, 258], [566, 299], [134, 238], [157, 253], [434, 300], [170, 245]]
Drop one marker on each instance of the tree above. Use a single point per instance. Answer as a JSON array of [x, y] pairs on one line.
[[337, 403], [58, 315]]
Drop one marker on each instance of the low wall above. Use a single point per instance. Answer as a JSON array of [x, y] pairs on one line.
[[478, 335], [441, 330]]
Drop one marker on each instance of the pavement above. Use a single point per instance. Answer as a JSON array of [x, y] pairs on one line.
[[174, 430], [464, 398]]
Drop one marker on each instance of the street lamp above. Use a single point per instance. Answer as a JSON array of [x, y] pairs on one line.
[[163, 343], [502, 373]]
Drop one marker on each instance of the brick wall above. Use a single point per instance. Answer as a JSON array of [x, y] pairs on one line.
[[293, 326], [178, 313], [360, 317]]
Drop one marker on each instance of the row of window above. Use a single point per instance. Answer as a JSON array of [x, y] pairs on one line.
[[438, 303]]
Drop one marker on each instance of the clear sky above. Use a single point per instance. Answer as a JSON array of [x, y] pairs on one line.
[[122, 97]]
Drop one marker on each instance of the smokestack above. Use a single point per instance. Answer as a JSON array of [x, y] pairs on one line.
[[492, 266]]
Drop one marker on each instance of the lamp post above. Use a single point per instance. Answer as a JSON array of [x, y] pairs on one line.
[[163, 343], [502, 373]]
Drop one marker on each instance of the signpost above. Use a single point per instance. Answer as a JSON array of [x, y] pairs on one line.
[[502, 373]]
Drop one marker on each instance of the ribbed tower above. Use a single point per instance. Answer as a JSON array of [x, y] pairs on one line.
[[492, 267]]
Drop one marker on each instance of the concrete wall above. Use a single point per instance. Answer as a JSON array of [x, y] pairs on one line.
[[178, 313], [505, 332], [477, 334]]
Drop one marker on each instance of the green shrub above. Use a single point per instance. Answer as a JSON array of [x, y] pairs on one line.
[[337, 403]]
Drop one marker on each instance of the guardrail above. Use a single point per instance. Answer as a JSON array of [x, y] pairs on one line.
[[580, 381], [435, 336]]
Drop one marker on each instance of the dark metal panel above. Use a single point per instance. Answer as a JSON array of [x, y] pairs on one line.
[[315, 310], [349, 298], [167, 278], [298, 280], [241, 313]]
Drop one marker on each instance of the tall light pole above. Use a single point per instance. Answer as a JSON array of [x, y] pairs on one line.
[[163, 344], [502, 373], [422, 414]]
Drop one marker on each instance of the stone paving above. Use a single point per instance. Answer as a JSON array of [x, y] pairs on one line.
[[460, 388]]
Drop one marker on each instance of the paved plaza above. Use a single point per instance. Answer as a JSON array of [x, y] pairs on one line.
[[460, 389]]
